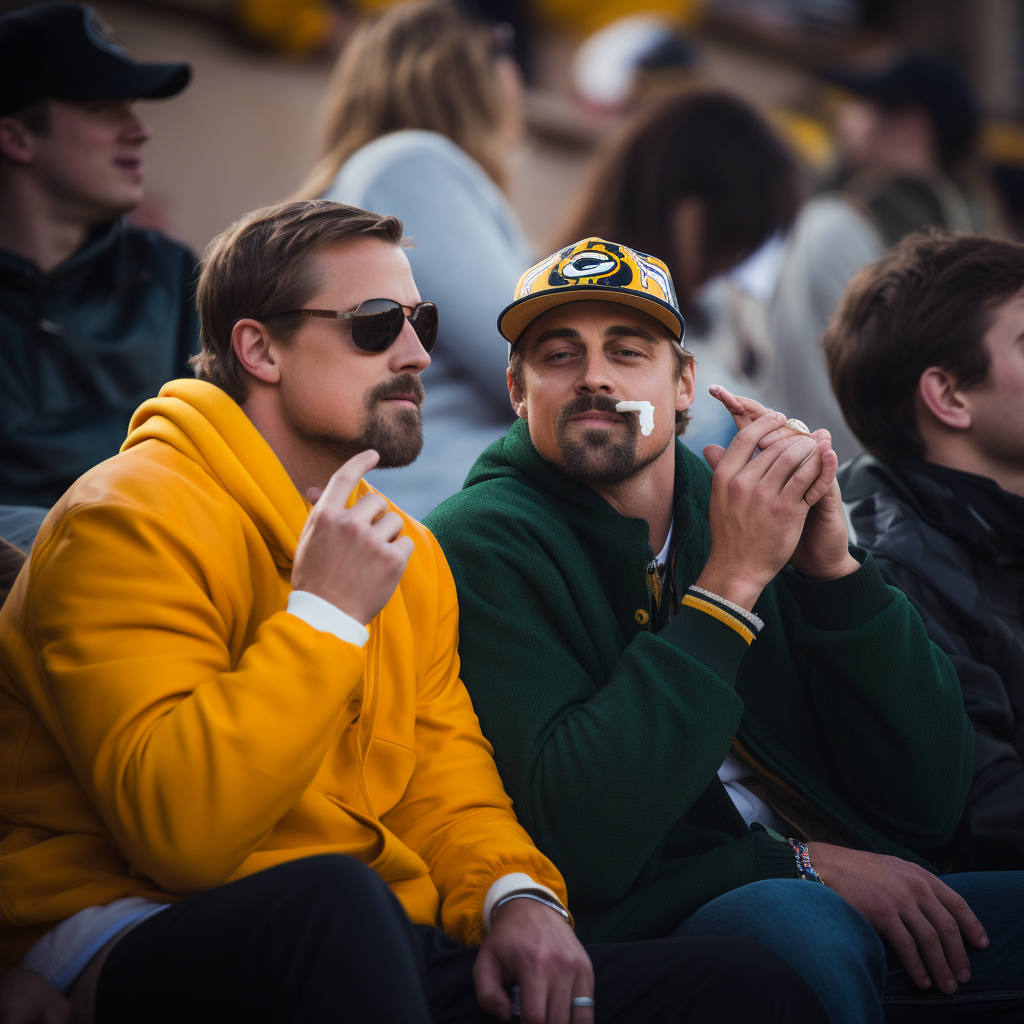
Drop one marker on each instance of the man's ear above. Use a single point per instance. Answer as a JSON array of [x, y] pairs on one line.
[[940, 392], [516, 397], [16, 141], [254, 350], [686, 390]]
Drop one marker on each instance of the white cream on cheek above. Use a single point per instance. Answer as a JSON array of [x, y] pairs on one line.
[[646, 411]]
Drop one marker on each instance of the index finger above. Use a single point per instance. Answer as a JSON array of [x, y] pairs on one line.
[[745, 443], [345, 479], [745, 409]]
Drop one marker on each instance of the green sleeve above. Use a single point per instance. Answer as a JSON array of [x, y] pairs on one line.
[[888, 701], [601, 749]]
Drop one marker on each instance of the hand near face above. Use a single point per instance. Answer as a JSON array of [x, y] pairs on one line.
[[772, 521], [353, 557], [532, 946]]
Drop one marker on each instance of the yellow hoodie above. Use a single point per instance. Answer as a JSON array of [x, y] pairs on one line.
[[166, 726]]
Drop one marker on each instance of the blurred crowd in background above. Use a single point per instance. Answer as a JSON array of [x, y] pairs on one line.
[[764, 149]]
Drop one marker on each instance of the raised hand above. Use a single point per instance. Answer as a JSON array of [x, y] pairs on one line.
[[532, 946], [822, 551], [758, 507], [923, 920], [353, 557]]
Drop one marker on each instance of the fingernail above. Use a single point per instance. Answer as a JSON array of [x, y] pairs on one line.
[[927, 983], [949, 987], [963, 977], [983, 942]]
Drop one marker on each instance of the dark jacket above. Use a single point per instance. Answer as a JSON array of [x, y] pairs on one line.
[[81, 348], [609, 735], [954, 544]]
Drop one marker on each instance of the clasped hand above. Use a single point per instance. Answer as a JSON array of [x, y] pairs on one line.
[[781, 507]]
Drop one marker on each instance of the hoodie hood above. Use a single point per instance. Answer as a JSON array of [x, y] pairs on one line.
[[202, 422]]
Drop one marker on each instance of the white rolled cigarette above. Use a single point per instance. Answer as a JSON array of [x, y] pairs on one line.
[[646, 411]]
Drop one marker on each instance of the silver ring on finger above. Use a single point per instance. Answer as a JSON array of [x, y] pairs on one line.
[[582, 1001]]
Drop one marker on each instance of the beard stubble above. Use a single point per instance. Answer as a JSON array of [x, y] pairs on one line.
[[593, 456], [395, 434]]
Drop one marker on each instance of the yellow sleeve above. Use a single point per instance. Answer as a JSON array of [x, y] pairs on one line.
[[455, 813], [190, 736]]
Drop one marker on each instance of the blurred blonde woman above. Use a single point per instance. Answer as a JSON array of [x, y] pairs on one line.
[[424, 104]]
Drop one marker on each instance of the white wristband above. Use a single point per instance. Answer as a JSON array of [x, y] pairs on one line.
[[328, 618], [508, 884]]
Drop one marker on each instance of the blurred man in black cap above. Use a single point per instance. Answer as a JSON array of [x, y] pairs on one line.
[[95, 314], [906, 136]]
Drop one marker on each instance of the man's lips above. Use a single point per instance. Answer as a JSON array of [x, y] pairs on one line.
[[129, 163], [409, 399], [597, 418]]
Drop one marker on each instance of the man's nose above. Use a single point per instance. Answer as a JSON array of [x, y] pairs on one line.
[[136, 130], [594, 377], [407, 354]]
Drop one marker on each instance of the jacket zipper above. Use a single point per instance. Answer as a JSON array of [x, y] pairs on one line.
[[762, 773], [369, 716], [654, 583], [774, 780]]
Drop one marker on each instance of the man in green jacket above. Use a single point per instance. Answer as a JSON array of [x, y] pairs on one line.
[[701, 698]]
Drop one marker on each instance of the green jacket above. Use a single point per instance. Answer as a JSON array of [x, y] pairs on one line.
[[609, 735]]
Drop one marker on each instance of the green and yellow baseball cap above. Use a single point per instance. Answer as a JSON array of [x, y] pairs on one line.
[[594, 269]]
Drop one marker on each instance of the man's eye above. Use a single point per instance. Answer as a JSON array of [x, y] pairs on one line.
[[630, 352]]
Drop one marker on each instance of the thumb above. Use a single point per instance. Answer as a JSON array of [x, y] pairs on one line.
[[490, 992], [713, 455]]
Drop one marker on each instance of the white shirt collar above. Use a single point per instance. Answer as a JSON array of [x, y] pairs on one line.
[[662, 557]]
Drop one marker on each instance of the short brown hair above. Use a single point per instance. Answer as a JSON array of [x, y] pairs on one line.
[[927, 303], [683, 360], [260, 267]]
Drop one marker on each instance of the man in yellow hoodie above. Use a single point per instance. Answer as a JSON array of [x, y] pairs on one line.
[[240, 778]]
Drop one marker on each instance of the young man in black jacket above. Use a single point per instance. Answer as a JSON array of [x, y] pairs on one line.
[[95, 314], [926, 356]]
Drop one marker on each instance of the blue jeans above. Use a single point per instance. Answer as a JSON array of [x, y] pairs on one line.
[[854, 973]]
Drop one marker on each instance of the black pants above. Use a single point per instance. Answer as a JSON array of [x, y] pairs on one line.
[[324, 940]]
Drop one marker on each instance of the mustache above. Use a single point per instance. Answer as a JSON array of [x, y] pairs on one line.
[[585, 403], [404, 384]]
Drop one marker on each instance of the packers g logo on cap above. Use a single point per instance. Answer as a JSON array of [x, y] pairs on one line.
[[590, 265], [594, 269]]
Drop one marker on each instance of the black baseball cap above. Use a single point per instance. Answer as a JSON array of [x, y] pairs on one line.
[[927, 81], [67, 51]]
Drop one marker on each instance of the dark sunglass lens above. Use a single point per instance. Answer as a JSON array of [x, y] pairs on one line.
[[424, 323], [376, 325]]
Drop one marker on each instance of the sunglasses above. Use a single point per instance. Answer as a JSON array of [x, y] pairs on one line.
[[377, 322]]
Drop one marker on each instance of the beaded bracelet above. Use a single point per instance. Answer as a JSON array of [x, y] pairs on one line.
[[803, 862]]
